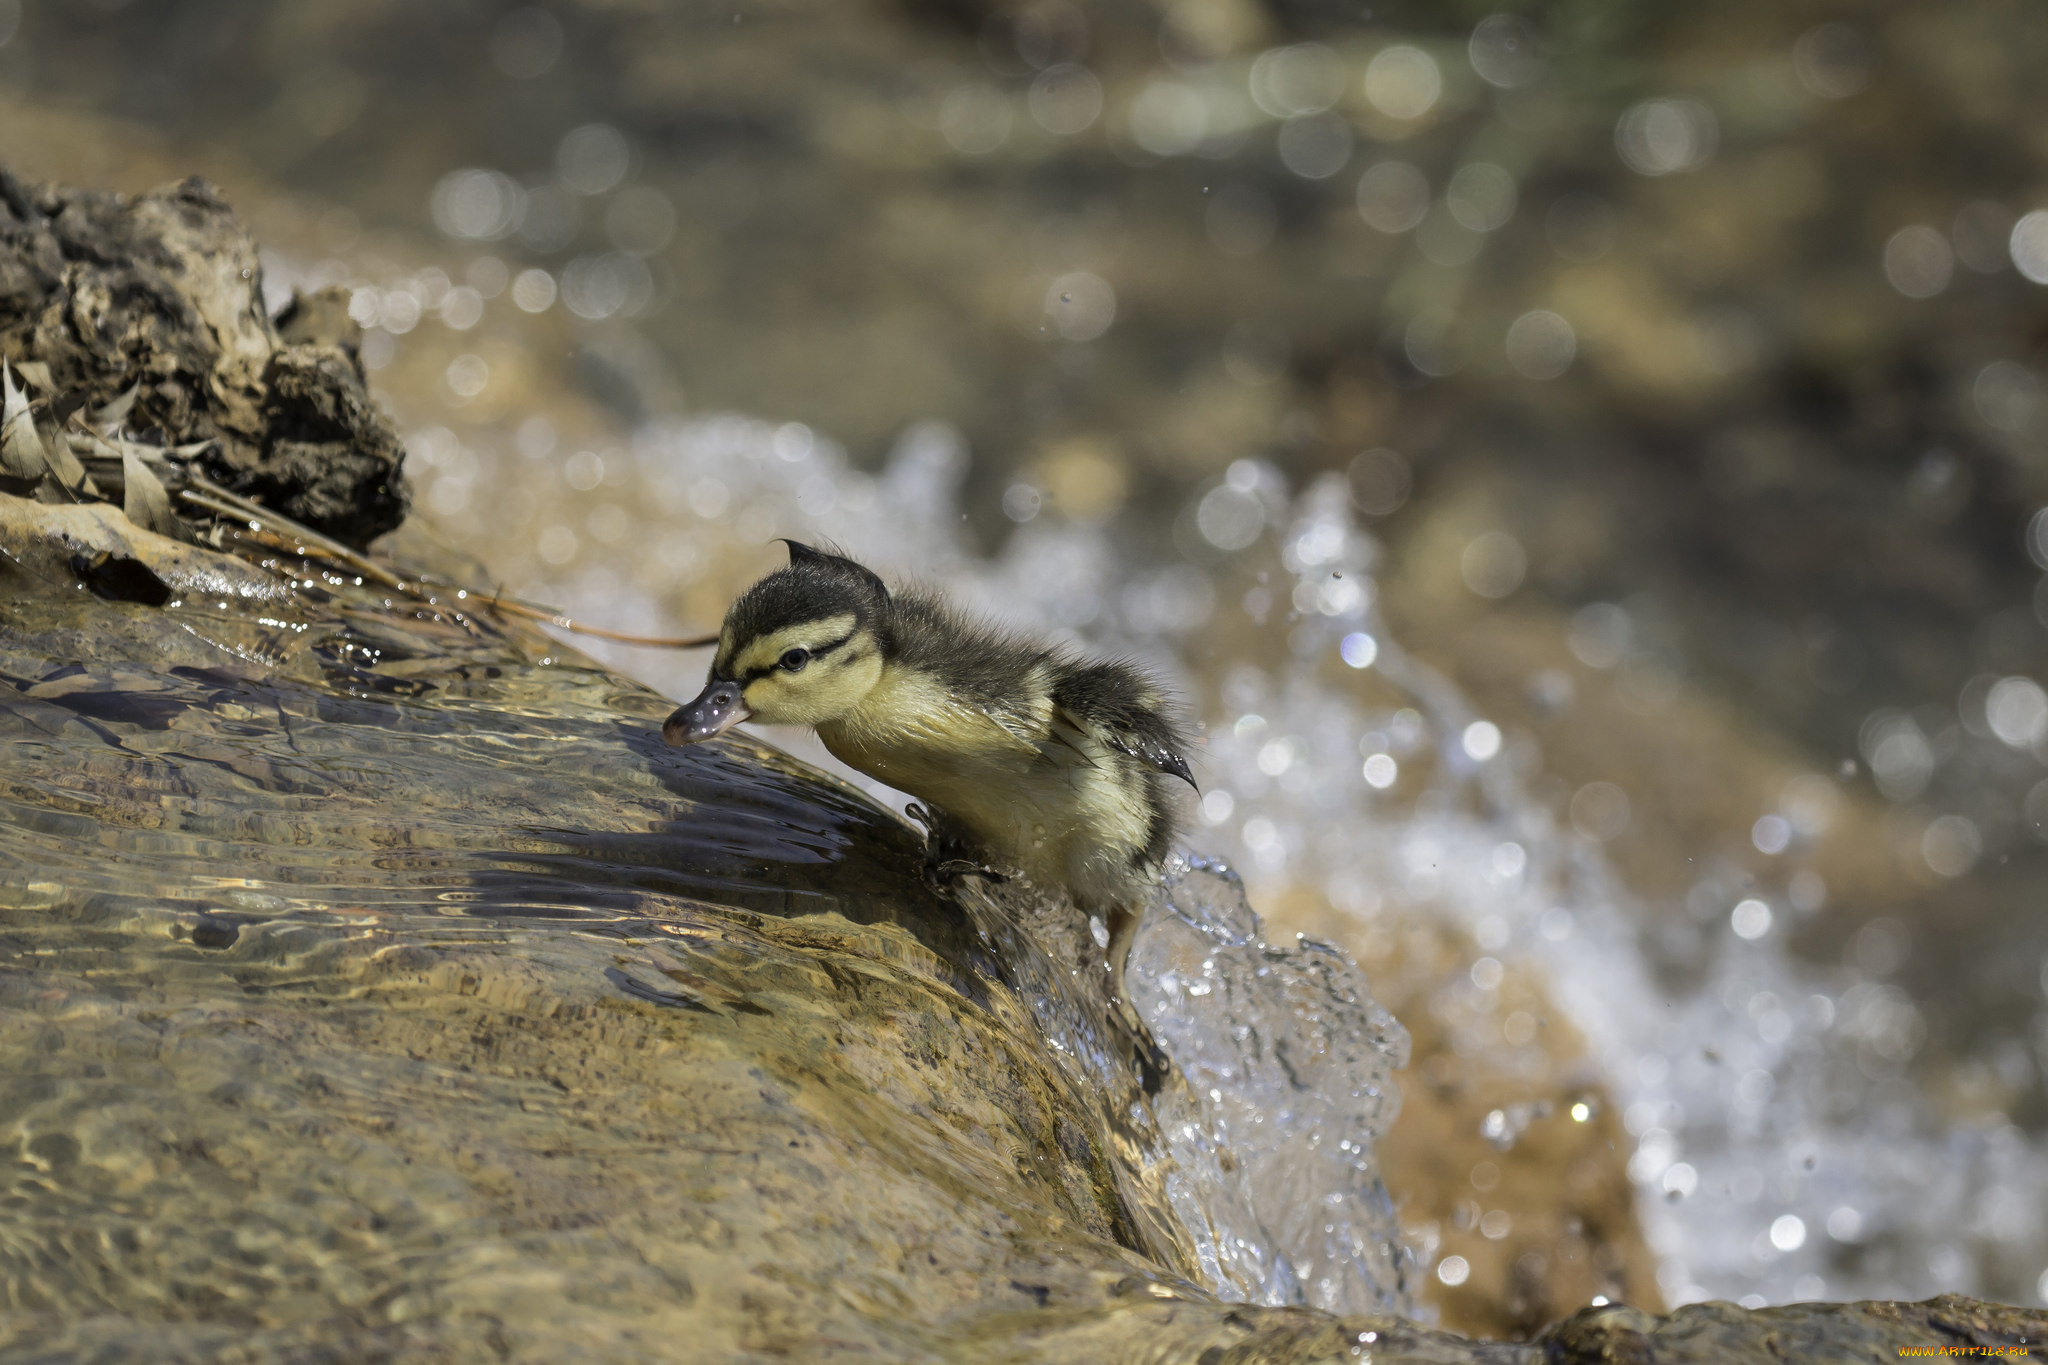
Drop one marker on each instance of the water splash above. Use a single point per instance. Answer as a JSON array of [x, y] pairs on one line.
[[1288, 1068]]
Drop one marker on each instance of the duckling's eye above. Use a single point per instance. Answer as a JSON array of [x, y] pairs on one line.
[[794, 661]]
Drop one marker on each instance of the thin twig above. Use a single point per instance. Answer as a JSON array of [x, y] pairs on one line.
[[555, 618], [218, 500]]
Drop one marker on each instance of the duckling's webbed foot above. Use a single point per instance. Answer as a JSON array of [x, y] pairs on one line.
[[944, 872], [1154, 1066], [1150, 1060], [949, 855]]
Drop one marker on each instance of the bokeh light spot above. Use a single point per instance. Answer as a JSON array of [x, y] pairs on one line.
[[1080, 305], [1380, 481], [1230, 518], [1493, 564], [1505, 51], [1481, 740], [534, 291], [468, 376], [1358, 650], [1481, 196], [593, 158], [975, 118], [1541, 344], [1600, 811], [1065, 99], [1951, 845], [2029, 246], [526, 43], [1600, 634], [477, 205], [2016, 709], [2007, 396], [1306, 78], [1393, 197], [1771, 834], [1918, 261], [1667, 136], [1022, 502], [1750, 919], [1403, 82], [1315, 146], [1169, 118]]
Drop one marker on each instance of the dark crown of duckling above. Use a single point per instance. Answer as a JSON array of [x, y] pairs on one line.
[[1051, 765], [814, 586]]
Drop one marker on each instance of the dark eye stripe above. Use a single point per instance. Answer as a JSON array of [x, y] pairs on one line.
[[822, 650], [756, 674]]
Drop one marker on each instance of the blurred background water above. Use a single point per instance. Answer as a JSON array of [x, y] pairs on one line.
[[1579, 461]]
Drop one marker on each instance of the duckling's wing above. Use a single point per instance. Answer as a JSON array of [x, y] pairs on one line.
[[1065, 743], [1153, 749], [1117, 706]]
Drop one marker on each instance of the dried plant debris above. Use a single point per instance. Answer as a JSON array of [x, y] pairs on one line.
[[147, 313], [80, 455], [137, 366], [143, 498], [21, 446]]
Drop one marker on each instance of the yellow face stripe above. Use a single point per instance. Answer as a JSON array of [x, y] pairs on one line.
[[763, 652]]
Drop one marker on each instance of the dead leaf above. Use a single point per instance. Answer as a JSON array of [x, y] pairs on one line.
[[21, 450], [144, 500], [37, 373], [43, 541], [82, 440], [57, 454], [107, 419]]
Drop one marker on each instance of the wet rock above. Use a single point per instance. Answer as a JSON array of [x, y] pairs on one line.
[[320, 318], [333, 457], [162, 294], [1819, 1332]]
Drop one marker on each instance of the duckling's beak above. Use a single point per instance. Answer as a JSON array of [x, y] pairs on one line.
[[717, 709]]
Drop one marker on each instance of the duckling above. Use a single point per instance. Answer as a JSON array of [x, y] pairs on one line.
[[1051, 765]]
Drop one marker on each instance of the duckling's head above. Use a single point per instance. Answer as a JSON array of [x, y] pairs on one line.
[[801, 647]]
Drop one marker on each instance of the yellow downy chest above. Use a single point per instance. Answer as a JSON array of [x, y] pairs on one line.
[[1062, 814]]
